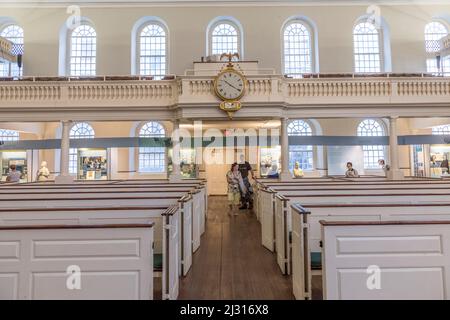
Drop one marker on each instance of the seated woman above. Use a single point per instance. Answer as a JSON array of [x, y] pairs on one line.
[[298, 172]]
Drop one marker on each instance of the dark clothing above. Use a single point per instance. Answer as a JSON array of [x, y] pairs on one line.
[[244, 168]]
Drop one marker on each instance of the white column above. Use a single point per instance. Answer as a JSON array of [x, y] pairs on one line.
[[64, 175], [394, 173], [284, 141], [176, 173]]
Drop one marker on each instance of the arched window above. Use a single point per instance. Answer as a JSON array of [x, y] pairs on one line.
[[441, 130], [367, 44], [372, 128], [152, 159], [301, 154], [297, 52], [13, 33], [9, 135], [152, 51], [434, 31], [83, 51], [225, 38], [81, 130]]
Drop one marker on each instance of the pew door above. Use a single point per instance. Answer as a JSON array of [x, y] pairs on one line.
[[186, 237], [280, 230], [301, 267], [170, 284], [267, 220], [196, 222]]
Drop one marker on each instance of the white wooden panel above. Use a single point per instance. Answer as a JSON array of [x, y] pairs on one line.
[[301, 268], [388, 245], [171, 257], [267, 220], [9, 286], [196, 223], [9, 250], [396, 283], [412, 259], [40, 273], [280, 235], [187, 237], [120, 285]]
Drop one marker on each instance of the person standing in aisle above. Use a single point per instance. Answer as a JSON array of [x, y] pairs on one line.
[[245, 168], [235, 188]]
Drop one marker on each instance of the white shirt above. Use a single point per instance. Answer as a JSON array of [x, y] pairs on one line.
[[14, 176]]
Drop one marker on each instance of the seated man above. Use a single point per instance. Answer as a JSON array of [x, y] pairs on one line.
[[351, 173]]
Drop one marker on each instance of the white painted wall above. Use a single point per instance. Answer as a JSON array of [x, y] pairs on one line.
[[187, 26]]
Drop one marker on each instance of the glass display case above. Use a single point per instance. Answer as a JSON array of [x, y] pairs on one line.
[[19, 159], [269, 161], [187, 163], [188, 168], [439, 165], [92, 164]]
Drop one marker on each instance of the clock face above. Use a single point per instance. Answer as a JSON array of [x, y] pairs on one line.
[[230, 85]]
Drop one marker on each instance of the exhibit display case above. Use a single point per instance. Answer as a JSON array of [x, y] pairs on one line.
[[269, 161], [92, 164], [19, 159]]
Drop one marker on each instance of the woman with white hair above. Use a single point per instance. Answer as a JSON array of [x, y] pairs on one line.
[[43, 173]]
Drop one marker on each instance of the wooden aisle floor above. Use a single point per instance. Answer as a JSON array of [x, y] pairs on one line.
[[231, 263]]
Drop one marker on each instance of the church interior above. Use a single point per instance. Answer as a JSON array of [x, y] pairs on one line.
[[224, 150]]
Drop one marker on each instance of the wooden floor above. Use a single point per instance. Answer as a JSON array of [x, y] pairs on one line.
[[231, 262]]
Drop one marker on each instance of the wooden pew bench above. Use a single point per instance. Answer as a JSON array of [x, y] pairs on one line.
[[89, 191], [276, 215], [307, 236], [401, 260], [115, 200], [165, 220], [114, 261]]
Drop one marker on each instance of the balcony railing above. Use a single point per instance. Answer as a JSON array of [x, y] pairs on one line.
[[312, 89]]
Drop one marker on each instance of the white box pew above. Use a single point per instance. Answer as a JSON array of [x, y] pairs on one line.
[[116, 201], [113, 197], [165, 220], [397, 189], [287, 186], [282, 212], [306, 233], [115, 262], [408, 260]]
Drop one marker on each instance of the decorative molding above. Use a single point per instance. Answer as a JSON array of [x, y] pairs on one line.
[[193, 96]]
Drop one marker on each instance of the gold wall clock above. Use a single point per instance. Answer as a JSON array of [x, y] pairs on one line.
[[230, 86]]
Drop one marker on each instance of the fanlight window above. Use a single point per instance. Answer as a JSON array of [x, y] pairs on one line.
[[13, 33], [152, 59], [434, 32], [224, 39], [83, 51], [302, 154], [366, 39], [297, 50], [8, 135], [152, 159], [372, 128], [441, 130], [81, 130]]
